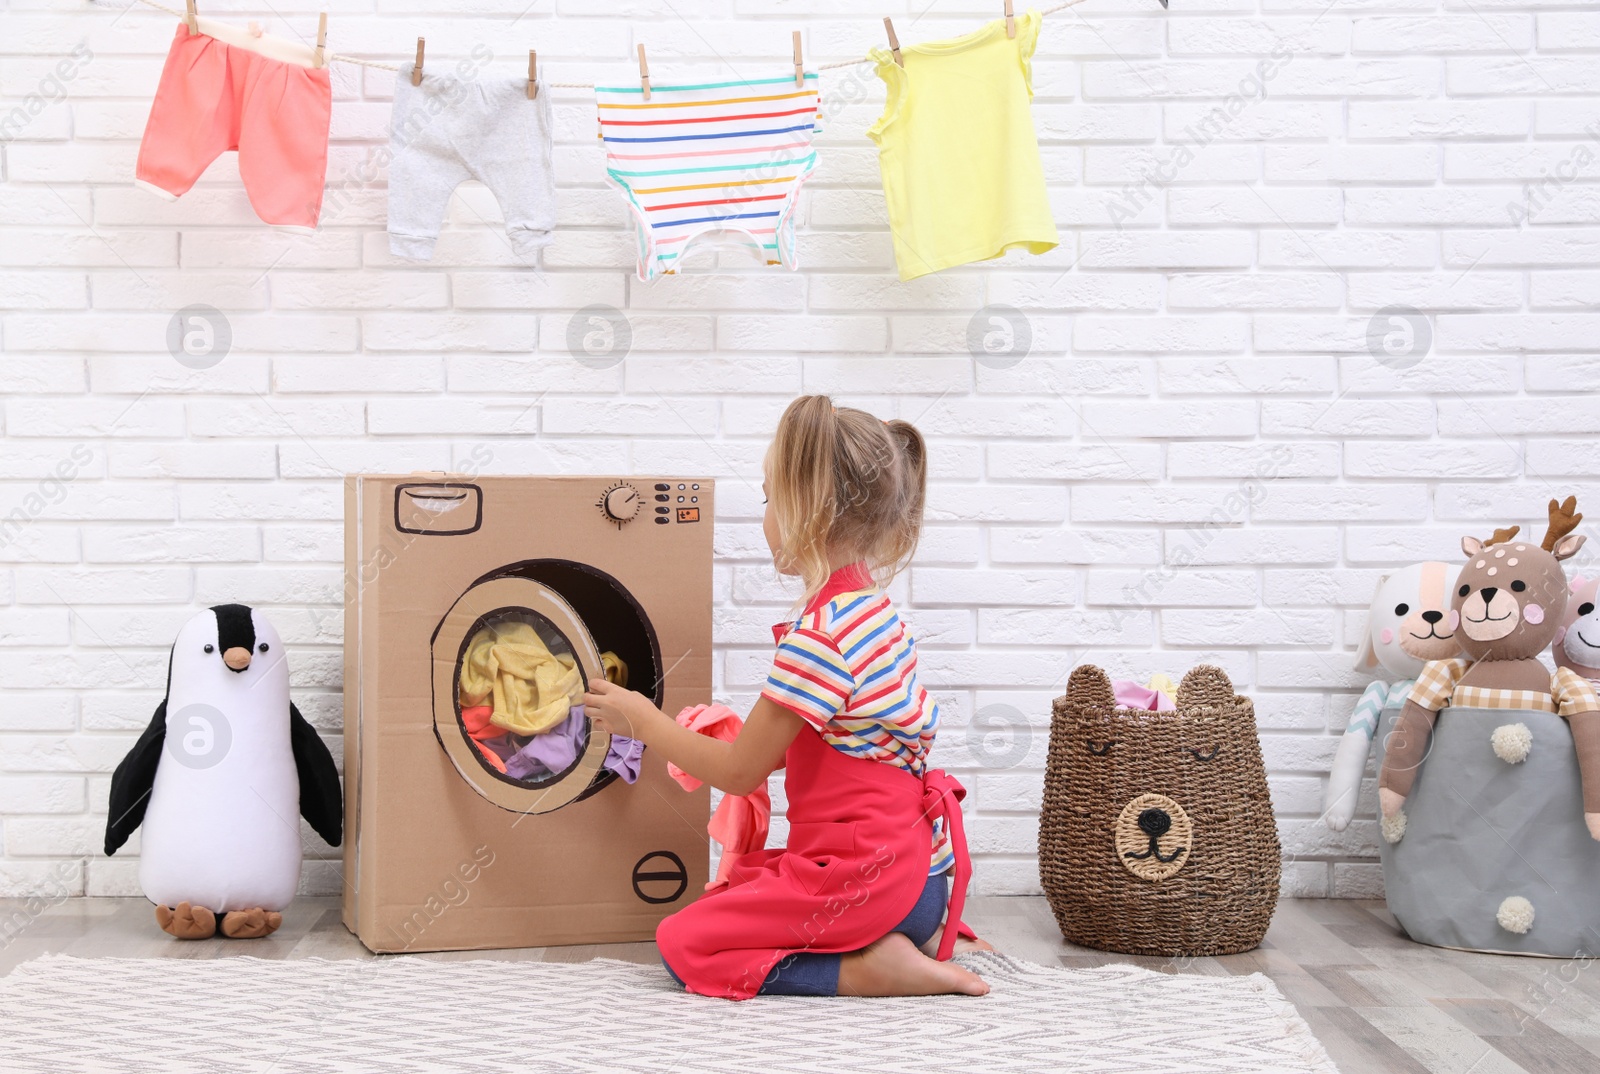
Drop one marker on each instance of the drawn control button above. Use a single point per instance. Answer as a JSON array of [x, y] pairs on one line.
[[660, 877]]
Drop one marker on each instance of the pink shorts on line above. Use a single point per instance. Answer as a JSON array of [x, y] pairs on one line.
[[214, 97]]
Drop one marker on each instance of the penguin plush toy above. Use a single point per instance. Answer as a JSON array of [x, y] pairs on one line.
[[220, 780]]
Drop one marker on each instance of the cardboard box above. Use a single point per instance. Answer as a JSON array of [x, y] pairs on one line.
[[444, 853]]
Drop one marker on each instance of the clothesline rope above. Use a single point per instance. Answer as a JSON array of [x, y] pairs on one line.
[[334, 57]]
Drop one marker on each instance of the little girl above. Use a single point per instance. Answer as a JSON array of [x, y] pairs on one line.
[[872, 830]]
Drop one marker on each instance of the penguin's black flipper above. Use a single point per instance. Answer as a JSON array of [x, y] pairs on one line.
[[321, 801], [133, 780]]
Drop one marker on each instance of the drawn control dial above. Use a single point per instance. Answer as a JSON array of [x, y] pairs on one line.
[[620, 503]]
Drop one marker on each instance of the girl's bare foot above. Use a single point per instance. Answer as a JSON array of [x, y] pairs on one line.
[[962, 944], [894, 967]]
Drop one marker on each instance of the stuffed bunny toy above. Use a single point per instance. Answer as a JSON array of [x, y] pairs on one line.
[[1409, 623]]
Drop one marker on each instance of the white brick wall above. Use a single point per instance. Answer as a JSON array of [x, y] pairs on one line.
[[1200, 458]]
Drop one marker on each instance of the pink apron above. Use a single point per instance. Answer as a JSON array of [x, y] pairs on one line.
[[860, 834]]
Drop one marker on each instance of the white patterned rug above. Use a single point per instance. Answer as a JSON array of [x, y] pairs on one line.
[[403, 1014]]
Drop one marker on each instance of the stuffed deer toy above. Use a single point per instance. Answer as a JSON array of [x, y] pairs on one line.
[[1409, 624], [1510, 601]]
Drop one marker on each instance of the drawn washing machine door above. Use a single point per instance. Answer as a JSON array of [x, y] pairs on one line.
[[510, 608]]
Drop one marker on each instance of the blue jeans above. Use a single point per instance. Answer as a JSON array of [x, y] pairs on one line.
[[805, 973]]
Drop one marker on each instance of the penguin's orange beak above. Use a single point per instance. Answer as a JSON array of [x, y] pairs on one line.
[[237, 658]]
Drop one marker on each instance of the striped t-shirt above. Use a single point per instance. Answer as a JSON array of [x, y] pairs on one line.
[[848, 667], [711, 156]]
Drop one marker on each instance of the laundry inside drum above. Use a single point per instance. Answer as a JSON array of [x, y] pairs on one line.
[[518, 684], [520, 690]]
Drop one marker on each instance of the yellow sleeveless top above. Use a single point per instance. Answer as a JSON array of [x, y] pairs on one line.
[[961, 170]]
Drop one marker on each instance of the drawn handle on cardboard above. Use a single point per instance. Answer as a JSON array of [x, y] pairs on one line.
[[438, 508]]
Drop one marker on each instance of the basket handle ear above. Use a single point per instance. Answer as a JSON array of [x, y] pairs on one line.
[[1089, 687], [1205, 685]]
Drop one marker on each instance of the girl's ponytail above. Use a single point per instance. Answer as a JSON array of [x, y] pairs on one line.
[[914, 462], [901, 540]]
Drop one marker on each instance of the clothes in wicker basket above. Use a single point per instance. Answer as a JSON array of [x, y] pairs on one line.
[[1157, 835]]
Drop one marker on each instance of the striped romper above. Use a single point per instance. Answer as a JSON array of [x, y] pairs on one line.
[[728, 156]]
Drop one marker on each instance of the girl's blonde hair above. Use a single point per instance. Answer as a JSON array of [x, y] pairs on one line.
[[844, 483]]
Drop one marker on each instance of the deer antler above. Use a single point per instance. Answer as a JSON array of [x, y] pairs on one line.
[[1564, 518], [1501, 536]]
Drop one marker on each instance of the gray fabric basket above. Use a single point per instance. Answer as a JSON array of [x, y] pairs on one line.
[[1480, 830]]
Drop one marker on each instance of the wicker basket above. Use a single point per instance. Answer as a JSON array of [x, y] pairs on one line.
[[1157, 835]]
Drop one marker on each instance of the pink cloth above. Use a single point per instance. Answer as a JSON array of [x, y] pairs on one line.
[[214, 97], [1130, 695], [740, 822], [476, 720]]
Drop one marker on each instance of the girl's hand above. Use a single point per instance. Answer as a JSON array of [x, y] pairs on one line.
[[619, 711]]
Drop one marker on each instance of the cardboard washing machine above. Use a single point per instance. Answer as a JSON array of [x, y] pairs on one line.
[[444, 852]]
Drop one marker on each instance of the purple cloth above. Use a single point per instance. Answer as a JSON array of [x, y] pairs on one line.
[[554, 750], [624, 756], [549, 752], [502, 746]]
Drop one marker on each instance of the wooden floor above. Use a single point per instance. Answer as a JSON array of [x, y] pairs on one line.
[[1379, 1003]]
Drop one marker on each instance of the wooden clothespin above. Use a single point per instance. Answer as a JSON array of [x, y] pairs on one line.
[[317, 59], [191, 17], [799, 65], [644, 74], [1011, 21], [894, 42], [533, 74], [416, 68]]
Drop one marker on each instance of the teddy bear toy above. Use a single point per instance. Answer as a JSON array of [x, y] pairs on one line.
[[1410, 622], [1489, 775]]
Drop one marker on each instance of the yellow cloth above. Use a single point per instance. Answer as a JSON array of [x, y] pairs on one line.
[[533, 688], [613, 669], [1162, 683], [961, 171]]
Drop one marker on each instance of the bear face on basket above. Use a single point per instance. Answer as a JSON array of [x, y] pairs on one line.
[[1157, 834]]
